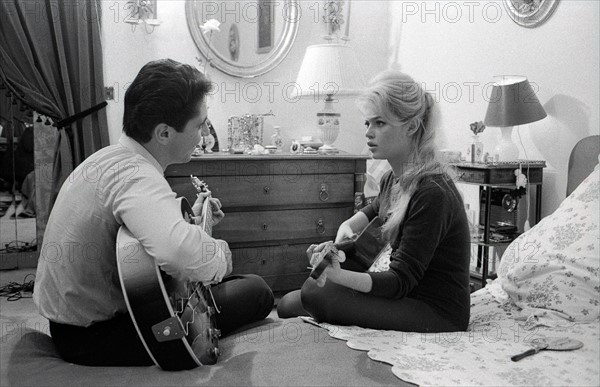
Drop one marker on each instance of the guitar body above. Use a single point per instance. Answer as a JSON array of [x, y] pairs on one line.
[[367, 246], [175, 320], [368, 249]]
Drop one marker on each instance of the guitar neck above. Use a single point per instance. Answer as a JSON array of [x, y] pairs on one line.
[[206, 221]]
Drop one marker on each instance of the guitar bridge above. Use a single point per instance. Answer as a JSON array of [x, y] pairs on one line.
[[169, 329]]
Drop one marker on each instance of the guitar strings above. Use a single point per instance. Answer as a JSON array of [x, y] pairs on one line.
[[213, 299], [194, 308]]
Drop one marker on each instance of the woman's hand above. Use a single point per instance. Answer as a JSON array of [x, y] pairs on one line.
[[351, 227], [344, 233], [316, 254]]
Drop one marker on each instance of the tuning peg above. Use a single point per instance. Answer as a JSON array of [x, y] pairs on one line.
[[215, 333]]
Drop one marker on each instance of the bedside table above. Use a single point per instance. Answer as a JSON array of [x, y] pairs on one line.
[[491, 176], [275, 206]]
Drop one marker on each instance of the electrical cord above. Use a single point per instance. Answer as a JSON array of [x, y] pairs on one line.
[[14, 291], [17, 246], [526, 226]]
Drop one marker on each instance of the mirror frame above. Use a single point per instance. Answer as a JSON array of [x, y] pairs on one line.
[[218, 61]]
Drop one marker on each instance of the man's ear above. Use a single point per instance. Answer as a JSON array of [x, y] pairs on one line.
[[162, 133]]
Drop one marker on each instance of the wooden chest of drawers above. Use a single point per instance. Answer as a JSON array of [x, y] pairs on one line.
[[275, 206]]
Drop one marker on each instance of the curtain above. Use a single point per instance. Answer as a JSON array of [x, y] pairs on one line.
[[51, 62]]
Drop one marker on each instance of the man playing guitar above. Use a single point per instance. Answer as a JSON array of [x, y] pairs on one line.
[[77, 285]]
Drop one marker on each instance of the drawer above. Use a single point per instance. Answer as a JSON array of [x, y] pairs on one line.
[[472, 175], [217, 165], [498, 175], [272, 190], [283, 267], [271, 260], [284, 225]]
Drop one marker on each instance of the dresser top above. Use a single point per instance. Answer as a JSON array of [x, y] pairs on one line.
[[278, 156], [502, 164]]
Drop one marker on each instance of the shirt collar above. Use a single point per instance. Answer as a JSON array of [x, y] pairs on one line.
[[136, 147]]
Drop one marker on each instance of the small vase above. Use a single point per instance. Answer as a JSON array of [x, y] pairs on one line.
[[277, 140], [476, 149]]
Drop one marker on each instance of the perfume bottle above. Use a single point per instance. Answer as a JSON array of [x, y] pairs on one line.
[[276, 139]]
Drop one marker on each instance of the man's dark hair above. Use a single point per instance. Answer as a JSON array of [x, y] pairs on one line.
[[164, 91]]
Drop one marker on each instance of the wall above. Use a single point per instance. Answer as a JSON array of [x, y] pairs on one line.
[[455, 48], [126, 49]]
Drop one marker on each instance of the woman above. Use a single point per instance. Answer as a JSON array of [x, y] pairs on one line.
[[426, 288]]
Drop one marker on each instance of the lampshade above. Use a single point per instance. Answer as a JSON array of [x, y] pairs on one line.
[[329, 69], [512, 102]]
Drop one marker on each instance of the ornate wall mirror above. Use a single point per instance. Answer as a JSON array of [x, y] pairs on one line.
[[255, 35], [530, 13]]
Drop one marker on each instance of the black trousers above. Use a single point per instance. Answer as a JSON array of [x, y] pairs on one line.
[[340, 305], [241, 299]]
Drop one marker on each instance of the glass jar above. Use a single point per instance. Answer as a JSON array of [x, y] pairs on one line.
[[475, 149], [277, 140]]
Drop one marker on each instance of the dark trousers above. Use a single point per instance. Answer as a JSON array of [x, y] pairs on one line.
[[242, 300], [340, 305]]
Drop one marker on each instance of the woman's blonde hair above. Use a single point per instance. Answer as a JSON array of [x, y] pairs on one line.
[[400, 100]]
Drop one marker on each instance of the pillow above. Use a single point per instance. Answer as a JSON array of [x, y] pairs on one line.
[[552, 270]]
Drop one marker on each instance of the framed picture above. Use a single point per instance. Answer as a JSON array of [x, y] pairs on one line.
[[141, 10], [266, 27], [530, 13]]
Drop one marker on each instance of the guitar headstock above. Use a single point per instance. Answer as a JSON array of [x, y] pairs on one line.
[[200, 185]]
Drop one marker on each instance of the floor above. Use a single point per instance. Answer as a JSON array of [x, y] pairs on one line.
[[17, 307], [19, 304]]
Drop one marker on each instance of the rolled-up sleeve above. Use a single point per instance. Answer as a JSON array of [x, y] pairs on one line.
[[148, 207]]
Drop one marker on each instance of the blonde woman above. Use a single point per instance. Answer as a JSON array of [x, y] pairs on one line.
[[426, 288]]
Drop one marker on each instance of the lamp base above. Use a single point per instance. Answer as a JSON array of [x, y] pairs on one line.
[[328, 122], [506, 149]]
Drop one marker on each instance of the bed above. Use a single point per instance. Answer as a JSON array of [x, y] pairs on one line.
[[548, 285]]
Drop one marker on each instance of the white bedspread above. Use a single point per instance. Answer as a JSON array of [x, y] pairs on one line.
[[481, 355]]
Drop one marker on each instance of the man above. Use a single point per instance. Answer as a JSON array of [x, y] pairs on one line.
[[77, 284]]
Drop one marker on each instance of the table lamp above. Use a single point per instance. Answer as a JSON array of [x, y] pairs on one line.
[[329, 70], [512, 102]]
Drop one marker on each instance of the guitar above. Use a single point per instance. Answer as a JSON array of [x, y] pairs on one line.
[[369, 249], [175, 320]]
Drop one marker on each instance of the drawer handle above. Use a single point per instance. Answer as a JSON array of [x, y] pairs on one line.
[[320, 226], [265, 226], [266, 190], [323, 194]]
